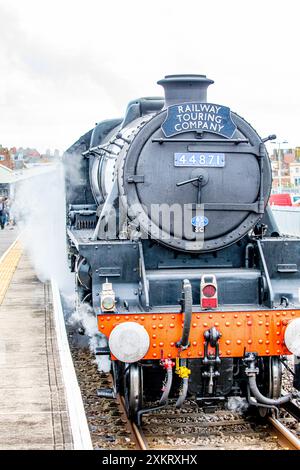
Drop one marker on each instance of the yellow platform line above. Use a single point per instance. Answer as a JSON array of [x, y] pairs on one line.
[[8, 264]]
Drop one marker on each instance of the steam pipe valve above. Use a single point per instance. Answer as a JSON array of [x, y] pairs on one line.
[[183, 372], [167, 364]]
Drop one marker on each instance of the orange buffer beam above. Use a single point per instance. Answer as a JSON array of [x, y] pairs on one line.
[[252, 331]]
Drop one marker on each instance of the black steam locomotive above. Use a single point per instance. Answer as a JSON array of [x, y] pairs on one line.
[[176, 251]]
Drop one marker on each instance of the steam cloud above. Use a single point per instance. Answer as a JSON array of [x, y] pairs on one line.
[[39, 209]]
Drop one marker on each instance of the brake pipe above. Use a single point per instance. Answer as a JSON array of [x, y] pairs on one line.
[[168, 364], [183, 372], [251, 373], [261, 398]]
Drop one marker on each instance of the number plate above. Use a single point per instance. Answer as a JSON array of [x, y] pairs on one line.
[[199, 159]]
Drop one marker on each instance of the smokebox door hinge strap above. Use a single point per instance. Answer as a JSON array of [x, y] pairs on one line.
[[136, 179]]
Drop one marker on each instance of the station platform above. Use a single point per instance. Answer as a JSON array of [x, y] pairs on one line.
[[7, 237], [33, 407]]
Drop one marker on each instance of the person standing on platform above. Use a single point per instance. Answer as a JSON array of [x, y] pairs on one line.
[[2, 213], [6, 210]]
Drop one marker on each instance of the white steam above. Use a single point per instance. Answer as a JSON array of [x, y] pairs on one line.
[[39, 208], [237, 404], [84, 316], [40, 211]]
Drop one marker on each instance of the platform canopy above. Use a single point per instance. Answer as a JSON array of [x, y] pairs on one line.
[[8, 176]]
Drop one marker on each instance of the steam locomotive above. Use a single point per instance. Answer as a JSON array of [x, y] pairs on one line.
[[175, 249]]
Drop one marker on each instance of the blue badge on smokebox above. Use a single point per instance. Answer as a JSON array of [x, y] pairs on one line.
[[199, 221]]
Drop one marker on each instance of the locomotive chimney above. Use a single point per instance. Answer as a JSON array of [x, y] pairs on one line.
[[185, 88]]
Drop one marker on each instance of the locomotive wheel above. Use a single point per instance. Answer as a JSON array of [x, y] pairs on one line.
[[133, 390], [272, 378]]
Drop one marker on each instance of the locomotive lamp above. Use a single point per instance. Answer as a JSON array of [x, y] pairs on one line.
[[292, 336], [208, 292], [129, 342], [107, 297]]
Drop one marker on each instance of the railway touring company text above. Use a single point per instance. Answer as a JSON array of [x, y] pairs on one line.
[[192, 117], [198, 117]]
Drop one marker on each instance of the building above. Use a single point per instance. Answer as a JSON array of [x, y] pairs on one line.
[[294, 169], [286, 170], [10, 179], [5, 158]]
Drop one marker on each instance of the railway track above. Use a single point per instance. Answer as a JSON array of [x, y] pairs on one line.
[[222, 430], [187, 429]]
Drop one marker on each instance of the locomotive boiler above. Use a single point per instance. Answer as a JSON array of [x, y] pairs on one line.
[[176, 251]]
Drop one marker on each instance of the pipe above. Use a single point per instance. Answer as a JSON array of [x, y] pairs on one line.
[[167, 388], [261, 398], [183, 343], [249, 247], [183, 394]]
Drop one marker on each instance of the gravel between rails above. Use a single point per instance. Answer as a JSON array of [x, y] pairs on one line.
[[189, 428], [108, 424], [196, 429]]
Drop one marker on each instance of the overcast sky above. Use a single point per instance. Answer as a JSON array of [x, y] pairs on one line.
[[66, 64]]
